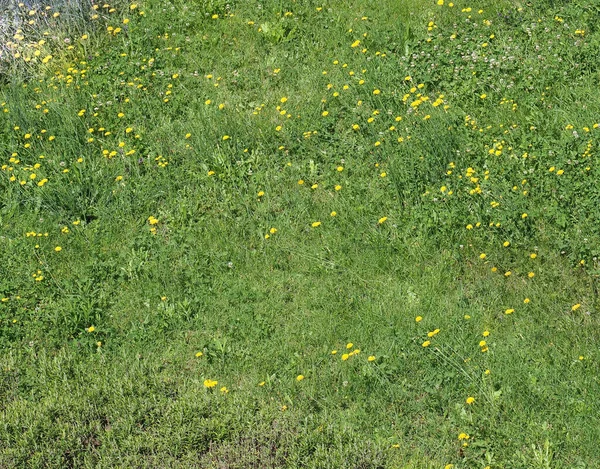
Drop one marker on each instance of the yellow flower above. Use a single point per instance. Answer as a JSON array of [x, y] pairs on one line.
[[199, 354], [419, 318], [533, 255], [224, 390], [260, 193], [91, 329], [371, 358], [575, 307], [315, 224], [526, 300], [349, 345], [376, 92], [485, 333], [338, 187], [325, 113], [470, 400], [426, 343], [463, 436], [58, 249], [209, 383], [299, 377], [506, 244], [226, 137], [382, 220], [333, 214], [345, 357], [440, 3], [509, 311], [188, 135], [273, 230], [482, 255]]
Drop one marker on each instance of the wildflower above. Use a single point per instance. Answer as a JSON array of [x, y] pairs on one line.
[[316, 224], [273, 230], [299, 377], [226, 137], [482, 255], [91, 329], [188, 135], [209, 383], [509, 311], [333, 214], [371, 358], [470, 400], [426, 343], [575, 307], [349, 345], [338, 187], [533, 255], [463, 436], [506, 244], [224, 390], [58, 249], [345, 357], [199, 354], [418, 318], [260, 193], [382, 220], [376, 92], [526, 300], [485, 333]]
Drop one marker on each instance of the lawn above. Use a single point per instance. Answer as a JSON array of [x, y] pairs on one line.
[[275, 234]]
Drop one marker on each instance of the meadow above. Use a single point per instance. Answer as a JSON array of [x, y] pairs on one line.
[[266, 234]]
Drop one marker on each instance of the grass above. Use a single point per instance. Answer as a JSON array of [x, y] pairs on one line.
[[260, 235]]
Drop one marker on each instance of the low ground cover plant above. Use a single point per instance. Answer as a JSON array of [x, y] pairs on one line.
[[304, 234]]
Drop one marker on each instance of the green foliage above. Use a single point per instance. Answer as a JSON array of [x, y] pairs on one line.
[[240, 234]]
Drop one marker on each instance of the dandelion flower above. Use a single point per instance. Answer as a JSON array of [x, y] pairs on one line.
[[209, 383]]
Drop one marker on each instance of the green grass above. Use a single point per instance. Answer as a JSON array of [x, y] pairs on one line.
[[153, 241]]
